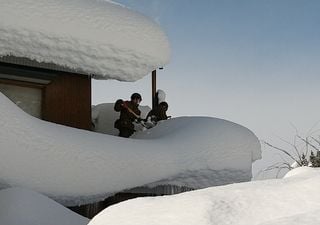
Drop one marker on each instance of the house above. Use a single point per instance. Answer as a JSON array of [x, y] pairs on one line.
[[50, 50], [49, 53], [47, 91]]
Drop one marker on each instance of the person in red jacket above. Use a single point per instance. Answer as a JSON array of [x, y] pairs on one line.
[[129, 112]]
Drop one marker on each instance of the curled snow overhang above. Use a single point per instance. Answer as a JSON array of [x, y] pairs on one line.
[[75, 166], [91, 37]]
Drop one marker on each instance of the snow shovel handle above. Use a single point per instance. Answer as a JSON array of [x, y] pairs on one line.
[[130, 110]]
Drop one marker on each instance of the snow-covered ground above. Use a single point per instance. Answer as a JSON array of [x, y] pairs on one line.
[[24, 207], [293, 200], [89, 36], [75, 166]]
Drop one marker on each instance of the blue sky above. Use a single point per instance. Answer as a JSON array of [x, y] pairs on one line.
[[254, 62]]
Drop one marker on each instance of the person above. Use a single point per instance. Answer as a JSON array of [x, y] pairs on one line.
[[159, 113], [129, 112]]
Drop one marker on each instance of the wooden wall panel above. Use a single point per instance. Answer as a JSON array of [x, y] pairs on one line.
[[67, 101]]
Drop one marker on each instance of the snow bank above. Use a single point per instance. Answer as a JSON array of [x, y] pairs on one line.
[[88, 36], [289, 201], [310, 218], [75, 166], [23, 207], [301, 171]]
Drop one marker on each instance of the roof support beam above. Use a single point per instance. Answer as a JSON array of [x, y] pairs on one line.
[[154, 89]]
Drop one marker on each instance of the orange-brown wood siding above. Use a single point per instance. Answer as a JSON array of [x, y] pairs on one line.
[[67, 101]]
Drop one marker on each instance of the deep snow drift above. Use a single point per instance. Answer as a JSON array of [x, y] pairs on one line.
[[293, 200], [25, 207], [75, 166], [89, 36]]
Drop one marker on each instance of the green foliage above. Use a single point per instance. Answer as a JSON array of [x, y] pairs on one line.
[[303, 160], [315, 159]]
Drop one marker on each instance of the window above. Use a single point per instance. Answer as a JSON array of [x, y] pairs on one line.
[[27, 98]]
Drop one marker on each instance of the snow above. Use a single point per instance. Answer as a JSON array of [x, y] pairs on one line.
[[88, 36], [161, 95], [24, 207], [300, 171], [75, 166], [294, 200], [310, 218]]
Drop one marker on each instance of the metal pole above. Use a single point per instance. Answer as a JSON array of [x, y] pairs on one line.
[[154, 88]]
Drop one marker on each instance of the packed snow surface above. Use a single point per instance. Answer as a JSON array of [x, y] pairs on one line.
[[294, 200], [75, 166], [88, 36], [24, 207]]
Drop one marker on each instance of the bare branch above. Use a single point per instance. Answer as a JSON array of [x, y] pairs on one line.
[[293, 146], [279, 170], [277, 166], [318, 142], [284, 151], [295, 128], [310, 132], [313, 132], [307, 142], [284, 161]]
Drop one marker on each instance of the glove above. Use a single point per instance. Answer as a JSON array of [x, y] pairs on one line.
[[118, 105]]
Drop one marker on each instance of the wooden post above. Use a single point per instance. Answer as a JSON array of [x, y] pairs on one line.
[[154, 88]]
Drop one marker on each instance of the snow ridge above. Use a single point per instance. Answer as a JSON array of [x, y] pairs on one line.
[[75, 166]]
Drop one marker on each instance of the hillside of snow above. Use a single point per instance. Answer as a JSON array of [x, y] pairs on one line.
[[24, 207], [293, 200], [75, 166], [88, 36]]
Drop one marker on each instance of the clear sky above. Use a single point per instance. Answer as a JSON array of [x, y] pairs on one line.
[[254, 62]]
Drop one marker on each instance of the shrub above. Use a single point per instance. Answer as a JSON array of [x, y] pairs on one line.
[[305, 153]]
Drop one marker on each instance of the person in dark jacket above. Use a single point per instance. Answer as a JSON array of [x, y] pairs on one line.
[[159, 113], [129, 112]]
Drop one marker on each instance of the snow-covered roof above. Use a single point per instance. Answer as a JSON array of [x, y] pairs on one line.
[[93, 37], [75, 166]]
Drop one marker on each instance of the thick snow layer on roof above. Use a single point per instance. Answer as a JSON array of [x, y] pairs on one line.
[[75, 166], [88, 36], [24, 207], [290, 201]]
